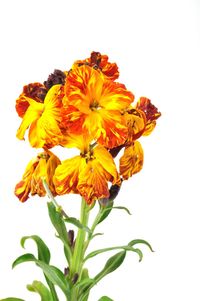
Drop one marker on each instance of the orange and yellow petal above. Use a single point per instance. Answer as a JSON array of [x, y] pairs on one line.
[[67, 175], [136, 124], [132, 160], [23, 188], [93, 182], [106, 160], [115, 96], [151, 112]]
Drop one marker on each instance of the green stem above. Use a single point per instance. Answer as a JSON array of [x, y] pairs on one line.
[[79, 250], [95, 223], [52, 289]]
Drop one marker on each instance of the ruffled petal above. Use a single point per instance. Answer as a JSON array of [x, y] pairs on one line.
[[67, 175], [93, 182], [106, 160], [23, 188], [132, 160]]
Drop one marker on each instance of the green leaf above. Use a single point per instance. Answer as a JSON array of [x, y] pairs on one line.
[[43, 251], [140, 241], [105, 211], [111, 265], [105, 298], [55, 276], [122, 208], [24, 258], [126, 248], [11, 299], [96, 234], [52, 273], [59, 225], [77, 223], [41, 289]]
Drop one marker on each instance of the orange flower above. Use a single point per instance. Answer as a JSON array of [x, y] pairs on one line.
[[41, 167], [42, 119], [87, 174], [94, 103], [132, 160], [151, 112], [100, 62]]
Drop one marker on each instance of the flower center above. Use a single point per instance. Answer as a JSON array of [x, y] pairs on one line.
[[94, 106]]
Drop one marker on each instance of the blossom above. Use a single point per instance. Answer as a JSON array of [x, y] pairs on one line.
[[151, 113], [42, 119], [95, 103], [43, 166], [100, 62], [88, 173], [140, 121]]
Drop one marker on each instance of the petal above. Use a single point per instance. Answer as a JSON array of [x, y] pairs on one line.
[[23, 188], [113, 130], [115, 96], [136, 123], [106, 160], [92, 183], [52, 164], [132, 160], [33, 112], [66, 175]]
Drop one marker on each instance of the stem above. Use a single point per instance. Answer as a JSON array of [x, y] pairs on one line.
[[95, 223], [79, 250], [52, 289]]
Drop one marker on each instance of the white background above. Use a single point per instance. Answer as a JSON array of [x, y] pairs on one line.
[[156, 45]]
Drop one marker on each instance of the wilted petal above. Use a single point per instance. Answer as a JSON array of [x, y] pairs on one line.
[[132, 160]]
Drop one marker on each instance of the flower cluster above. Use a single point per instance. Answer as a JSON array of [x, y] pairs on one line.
[[87, 109]]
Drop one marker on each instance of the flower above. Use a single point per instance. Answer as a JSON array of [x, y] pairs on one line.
[[42, 119], [100, 62], [88, 173], [151, 113], [140, 121], [43, 166], [94, 103]]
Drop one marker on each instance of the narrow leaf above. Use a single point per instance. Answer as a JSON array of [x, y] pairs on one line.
[[140, 241], [126, 248], [105, 298], [43, 250], [24, 258], [77, 223], [55, 276], [122, 208], [111, 265], [11, 299], [41, 289], [59, 225], [96, 234], [105, 211]]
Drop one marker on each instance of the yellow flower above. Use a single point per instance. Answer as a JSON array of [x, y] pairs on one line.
[[87, 174], [41, 167], [95, 103], [42, 119]]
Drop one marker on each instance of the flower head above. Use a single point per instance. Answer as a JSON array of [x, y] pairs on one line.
[[43, 166], [87, 174], [42, 119], [95, 103]]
